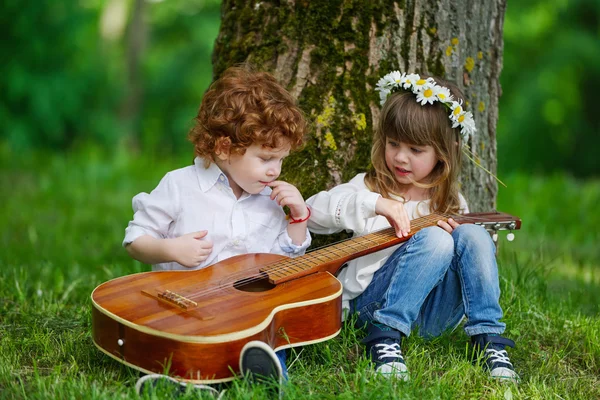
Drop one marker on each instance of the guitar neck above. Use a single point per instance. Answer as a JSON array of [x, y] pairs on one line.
[[331, 258]]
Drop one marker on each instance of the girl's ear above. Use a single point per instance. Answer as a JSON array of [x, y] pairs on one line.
[[223, 148]]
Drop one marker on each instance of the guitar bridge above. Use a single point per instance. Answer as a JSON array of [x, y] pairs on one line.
[[177, 299]]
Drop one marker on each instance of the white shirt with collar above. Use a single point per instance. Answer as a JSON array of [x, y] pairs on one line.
[[195, 198], [351, 207]]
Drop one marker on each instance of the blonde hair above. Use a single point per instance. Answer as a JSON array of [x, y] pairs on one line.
[[404, 120]]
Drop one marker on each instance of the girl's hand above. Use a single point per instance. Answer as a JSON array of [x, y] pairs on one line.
[[396, 215], [190, 250], [449, 225], [286, 194]]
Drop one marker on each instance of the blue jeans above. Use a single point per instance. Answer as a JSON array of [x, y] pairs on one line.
[[281, 355], [433, 281]]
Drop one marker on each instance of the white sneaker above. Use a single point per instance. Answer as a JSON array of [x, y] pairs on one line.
[[258, 360], [492, 350], [387, 357], [155, 379], [383, 346]]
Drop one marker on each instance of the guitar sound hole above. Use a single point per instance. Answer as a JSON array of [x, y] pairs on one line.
[[254, 284]]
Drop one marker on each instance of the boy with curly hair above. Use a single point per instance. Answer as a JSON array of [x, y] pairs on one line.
[[230, 201]]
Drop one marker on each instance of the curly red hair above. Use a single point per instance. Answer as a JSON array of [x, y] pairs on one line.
[[243, 108]]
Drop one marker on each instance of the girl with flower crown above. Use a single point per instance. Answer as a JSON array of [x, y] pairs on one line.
[[442, 273]]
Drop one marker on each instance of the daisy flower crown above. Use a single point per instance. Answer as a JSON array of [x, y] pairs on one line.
[[428, 92]]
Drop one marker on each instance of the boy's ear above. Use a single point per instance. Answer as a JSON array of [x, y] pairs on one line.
[[222, 148]]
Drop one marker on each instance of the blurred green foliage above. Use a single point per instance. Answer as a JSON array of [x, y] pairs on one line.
[[72, 74], [548, 118], [54, 78], [64, 76]]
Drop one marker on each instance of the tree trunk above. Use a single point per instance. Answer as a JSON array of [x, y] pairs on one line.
[[130, 109], [330, 54]]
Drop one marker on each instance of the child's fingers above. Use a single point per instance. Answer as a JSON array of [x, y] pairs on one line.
[[205, 245], [288, 197], [445, 226], [404, 227], [200, 234], [279, 190], [397, 228], [276, 184], [293, 202], [205, 252], [403, 222], [453, 223]]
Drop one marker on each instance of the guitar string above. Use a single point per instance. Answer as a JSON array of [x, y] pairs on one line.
[[285, 266], [282, 266], [355, 245], [387, 234]]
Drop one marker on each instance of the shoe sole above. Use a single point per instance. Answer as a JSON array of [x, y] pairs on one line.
[[153, 379], [258, 360]]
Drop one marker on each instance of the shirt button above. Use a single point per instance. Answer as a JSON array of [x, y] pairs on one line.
[[221, 178], [236, 242]]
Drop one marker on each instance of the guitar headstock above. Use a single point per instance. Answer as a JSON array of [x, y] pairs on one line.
[[492, 221]]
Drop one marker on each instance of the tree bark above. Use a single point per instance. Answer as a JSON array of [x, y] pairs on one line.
[[330, 54], [136, 43]]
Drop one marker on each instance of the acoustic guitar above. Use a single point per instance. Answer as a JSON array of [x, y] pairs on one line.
[[193, 324]]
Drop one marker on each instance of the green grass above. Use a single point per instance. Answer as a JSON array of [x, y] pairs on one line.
[[63, 219]]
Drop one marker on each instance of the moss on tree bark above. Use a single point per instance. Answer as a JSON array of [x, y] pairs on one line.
[[330, 54]]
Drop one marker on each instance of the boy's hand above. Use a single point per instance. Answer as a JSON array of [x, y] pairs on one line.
[[448, 226], [286, 194], [396, 215], [190, 250]]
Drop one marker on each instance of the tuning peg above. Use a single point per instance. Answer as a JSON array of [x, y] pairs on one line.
[[510, 237]]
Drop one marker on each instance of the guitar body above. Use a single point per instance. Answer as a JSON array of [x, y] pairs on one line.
[[193, 324]]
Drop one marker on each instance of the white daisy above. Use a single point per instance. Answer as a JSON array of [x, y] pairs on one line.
[[468, 125], [428, 94], [395, 77], [422, 84], [427, 91], [409, 80], [444, 94], [383, 94], [457, 111]]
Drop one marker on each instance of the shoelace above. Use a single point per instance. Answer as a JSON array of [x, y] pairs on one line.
[[389, 350], [497, 356]]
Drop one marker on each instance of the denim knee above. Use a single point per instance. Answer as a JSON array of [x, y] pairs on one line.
[[477, 252], [473, 236], [435, 240]]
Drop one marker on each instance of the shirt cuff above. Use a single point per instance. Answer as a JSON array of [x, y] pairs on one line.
[[286, 244], [134, 232]]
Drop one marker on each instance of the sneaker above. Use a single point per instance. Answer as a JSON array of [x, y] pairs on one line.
[[154, 380], [259, 361], [383, 344], [491, 348]]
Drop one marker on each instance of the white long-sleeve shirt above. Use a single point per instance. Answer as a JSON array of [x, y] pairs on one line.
[[195, 198], [351, 207]]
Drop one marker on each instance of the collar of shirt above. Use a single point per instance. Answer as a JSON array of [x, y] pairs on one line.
[[208, 177]]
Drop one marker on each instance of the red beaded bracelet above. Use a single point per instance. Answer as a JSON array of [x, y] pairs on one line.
[[296, 221]]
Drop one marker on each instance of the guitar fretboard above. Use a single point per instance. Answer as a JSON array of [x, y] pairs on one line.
[[338, 253]]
